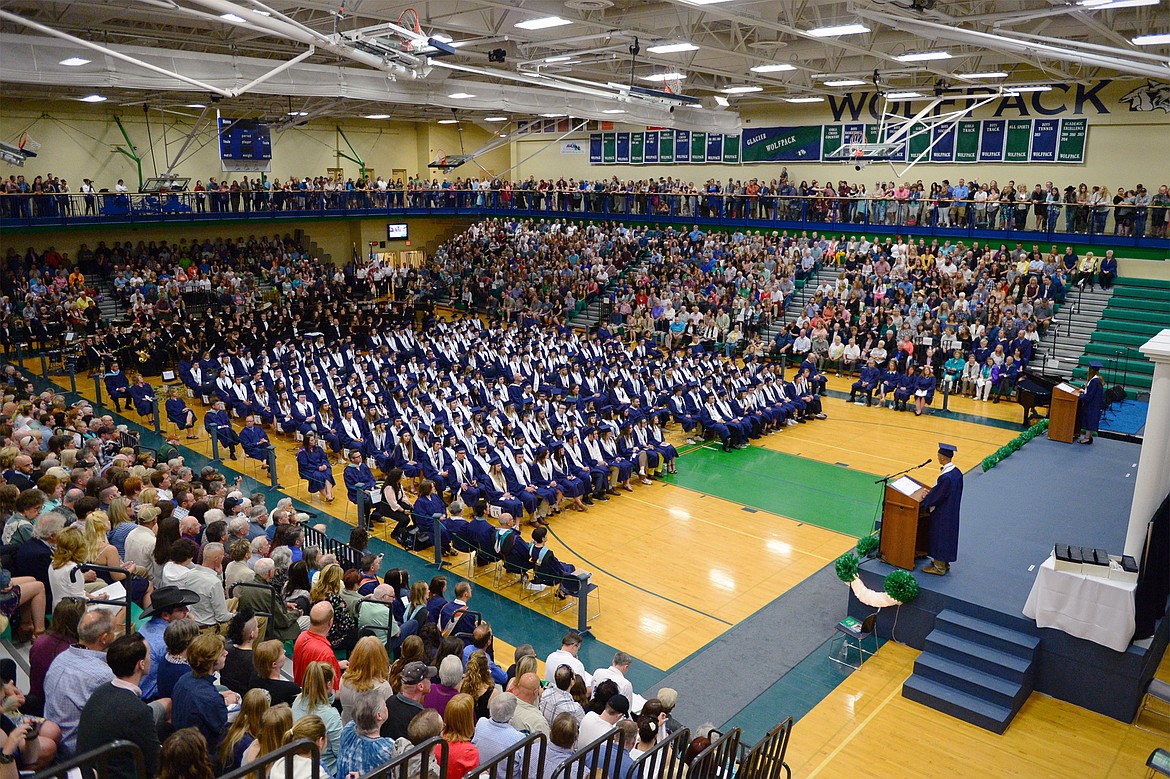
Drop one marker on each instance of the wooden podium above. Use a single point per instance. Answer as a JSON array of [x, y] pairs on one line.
[[1062, 413], [904, 526]]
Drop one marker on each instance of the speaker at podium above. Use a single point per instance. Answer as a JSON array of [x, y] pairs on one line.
[[905, 524]]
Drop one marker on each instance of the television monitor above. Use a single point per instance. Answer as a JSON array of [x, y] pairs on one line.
[[396, 232]]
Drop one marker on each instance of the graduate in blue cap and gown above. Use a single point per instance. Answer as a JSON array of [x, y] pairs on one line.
[[943, 503], [1089, 410]]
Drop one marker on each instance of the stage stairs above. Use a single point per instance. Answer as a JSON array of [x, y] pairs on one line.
[[1138, 310], [975, 669]]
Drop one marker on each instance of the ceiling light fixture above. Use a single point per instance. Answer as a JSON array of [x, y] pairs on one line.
[[553, 116], [1031, 88], [377, 116], [74, 62], [561, 58], [543, 23], [778, 68], [903, 95], [614, 111], [721, 101], [924, 56], [804, 100], [988, 74], [840, 29], [298, 113], [232, 18], [845, 82], [671, 76], [672, 48], [196, 105], [92, 99], [448, 121], [460, 95], [740, 90], [495, 118], [1152, 40], [1106, 5]]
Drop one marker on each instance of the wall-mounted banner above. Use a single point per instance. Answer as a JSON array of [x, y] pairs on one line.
[[782, 144], [1016, 141]]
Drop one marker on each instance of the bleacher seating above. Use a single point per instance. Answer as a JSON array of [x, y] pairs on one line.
[[1138, 310]]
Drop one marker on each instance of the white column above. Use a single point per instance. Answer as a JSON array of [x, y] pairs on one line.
[[1153, 476]]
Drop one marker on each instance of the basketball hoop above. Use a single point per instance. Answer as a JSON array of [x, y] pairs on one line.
[[440, 158], [409, 20], [671, 83], [27, 144]]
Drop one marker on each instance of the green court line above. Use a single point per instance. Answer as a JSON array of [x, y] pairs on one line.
[[828, 496]]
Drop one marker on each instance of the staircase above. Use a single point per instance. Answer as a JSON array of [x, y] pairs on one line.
[[1072, 326], [305, 242], [1138, 310], [974, 670], [804, 292], [111, 308], [590, 315]]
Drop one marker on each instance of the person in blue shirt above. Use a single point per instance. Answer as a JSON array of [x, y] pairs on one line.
[[195, 700], [167, 605]]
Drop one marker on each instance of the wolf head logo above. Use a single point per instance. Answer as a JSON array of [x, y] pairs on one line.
[[1151, 96]]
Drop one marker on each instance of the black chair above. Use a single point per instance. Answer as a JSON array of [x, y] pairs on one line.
[[854, 637]]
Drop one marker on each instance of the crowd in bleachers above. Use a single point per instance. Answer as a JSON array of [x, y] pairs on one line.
[[1083, 208], [227, 586]]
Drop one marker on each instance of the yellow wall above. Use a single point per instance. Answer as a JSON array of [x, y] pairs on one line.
[[79, 142]]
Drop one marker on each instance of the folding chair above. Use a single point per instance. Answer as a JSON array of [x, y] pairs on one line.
[[854, 637], [587, 590]]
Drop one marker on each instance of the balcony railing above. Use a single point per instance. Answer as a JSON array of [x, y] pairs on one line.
[[1106, 225]]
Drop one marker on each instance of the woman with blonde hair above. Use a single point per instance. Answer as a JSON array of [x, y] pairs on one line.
[[121, 524], [274, 724], [101, 552], [477, 682], [458, 730], [313, 729], [70, 553], [316, 699], [244, 729], [369, 669], [344, 633]]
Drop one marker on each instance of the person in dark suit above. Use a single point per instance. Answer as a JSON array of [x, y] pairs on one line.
[[1089, 411], [115, 712], [943, 502]]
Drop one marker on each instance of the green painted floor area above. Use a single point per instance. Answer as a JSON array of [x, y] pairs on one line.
[[828, 496]]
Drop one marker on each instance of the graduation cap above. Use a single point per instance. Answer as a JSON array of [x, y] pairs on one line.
[[1096, 365], [541, 450], [947, 450]]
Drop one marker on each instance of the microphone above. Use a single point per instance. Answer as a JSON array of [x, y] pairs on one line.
[[929, 460]]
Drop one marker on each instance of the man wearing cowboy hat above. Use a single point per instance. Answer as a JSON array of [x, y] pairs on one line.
[[167, 605]]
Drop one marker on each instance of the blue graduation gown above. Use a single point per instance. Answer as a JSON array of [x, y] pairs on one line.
[[944, 499], [177, 412], [143, 397], [1090, 408], [308, 461], [255, 442], [358, 478]]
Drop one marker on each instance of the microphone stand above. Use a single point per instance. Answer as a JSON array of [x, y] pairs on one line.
[[884, 481]]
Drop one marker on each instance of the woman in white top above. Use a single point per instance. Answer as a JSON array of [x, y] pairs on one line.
[[64, 578]]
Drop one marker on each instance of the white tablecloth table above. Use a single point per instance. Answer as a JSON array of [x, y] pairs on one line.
[[1088, 607]]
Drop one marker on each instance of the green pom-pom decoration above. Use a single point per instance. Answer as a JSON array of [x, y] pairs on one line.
[[846, 566], [867, 545], [902, 586]]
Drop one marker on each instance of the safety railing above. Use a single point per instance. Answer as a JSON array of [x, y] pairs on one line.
[[766, 759], [1121, 224], [270, 765], [719, 759], [603, 754], [664, 760], [416, 763], [125, 756], [523, 760]]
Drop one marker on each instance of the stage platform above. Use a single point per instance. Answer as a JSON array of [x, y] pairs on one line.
[[1012, 515]]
